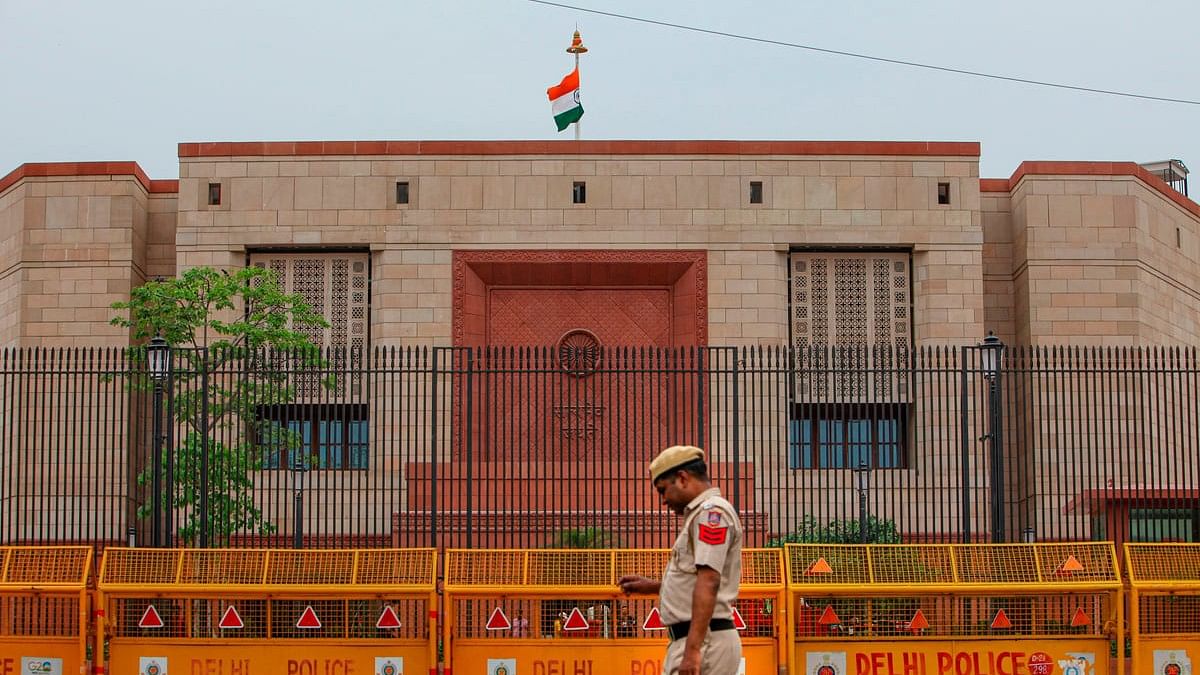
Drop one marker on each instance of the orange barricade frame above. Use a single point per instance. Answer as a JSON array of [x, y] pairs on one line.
[[949, 609], [299, 612], [534, 600], [45, 605], [1164, 607]]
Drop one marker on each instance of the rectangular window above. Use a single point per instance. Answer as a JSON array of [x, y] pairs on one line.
[[756, 192], [943, 196], [402, 192], [843, 436], [214, 194], [579, 192], [326, 436], [1164, 525]]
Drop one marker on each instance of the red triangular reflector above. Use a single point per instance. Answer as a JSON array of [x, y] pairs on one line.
[[829, 617], [819, 566], [308, 619], [388, 618], [1001, 621], [1071, 564], [498, 620], [653, 621], [150, 618], [231, 618], [738, 622], [1080, 618], [918, 621], [575, 621]]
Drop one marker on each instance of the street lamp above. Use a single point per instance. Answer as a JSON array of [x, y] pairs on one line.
[[299, 471], [862, 477], [158, 357], [991, 358]]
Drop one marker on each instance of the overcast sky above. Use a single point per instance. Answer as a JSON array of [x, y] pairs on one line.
[[119, 80]]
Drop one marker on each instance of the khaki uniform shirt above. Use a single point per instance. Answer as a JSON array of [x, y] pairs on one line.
[[711, 536]]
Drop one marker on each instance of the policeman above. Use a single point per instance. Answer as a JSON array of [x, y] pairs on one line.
[[700, 583]]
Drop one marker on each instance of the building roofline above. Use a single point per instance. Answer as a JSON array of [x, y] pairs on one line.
[[618, 147], [1089, 169], [65, 169]]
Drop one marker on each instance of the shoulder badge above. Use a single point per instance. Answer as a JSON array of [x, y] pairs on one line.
[[713, 536]]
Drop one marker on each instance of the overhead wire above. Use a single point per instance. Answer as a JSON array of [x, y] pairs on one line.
[[868, 57]]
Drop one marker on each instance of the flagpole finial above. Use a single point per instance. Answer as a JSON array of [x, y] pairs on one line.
[[576, 45]]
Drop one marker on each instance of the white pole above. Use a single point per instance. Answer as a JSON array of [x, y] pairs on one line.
[[576, 121]]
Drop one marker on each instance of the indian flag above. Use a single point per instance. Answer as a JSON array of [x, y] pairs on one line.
[[564, 100]]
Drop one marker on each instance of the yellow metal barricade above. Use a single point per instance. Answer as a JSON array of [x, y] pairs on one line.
[[262, 612], [1164, 607], [1004, 609], [44, 607], [560, 612]]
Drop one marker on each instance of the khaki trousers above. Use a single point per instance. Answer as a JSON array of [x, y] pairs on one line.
[[721, 654]]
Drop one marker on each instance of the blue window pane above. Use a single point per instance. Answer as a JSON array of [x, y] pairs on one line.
[[301, 438], [889, 457], [858, 437], [800, 444], [830, 439], [886, 430], [329, 448], [360, 456]]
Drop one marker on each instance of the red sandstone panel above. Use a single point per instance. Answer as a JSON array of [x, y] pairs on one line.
[[558, 416], [530, 438], [617, 316]]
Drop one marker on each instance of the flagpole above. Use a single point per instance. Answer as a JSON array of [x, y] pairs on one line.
[[576, 48]]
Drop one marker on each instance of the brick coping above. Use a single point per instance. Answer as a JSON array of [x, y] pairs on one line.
[[1089, 169], [614, 147], [64, 169]]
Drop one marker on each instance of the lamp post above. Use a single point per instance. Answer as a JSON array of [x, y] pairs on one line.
[[862, 477], [158, 356], [992, 363], [299, 472]]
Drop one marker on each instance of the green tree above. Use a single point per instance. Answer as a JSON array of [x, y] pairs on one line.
[[243, 327]]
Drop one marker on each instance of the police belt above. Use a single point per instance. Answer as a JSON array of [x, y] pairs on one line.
[[680, 630]]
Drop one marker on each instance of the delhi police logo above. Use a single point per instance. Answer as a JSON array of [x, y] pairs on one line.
[[389, 665], [825, 663]]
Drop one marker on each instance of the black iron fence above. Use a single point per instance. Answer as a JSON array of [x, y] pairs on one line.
[[543, 447]]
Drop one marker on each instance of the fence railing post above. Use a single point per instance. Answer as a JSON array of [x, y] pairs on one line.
[[965, 459], [205, 446]]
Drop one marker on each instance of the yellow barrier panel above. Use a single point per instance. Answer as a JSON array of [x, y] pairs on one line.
[[979, 609], [560, 612], [1164, 607], [44, 607], [260, 612]]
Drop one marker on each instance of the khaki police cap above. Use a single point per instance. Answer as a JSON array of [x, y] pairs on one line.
[[673, 458]]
